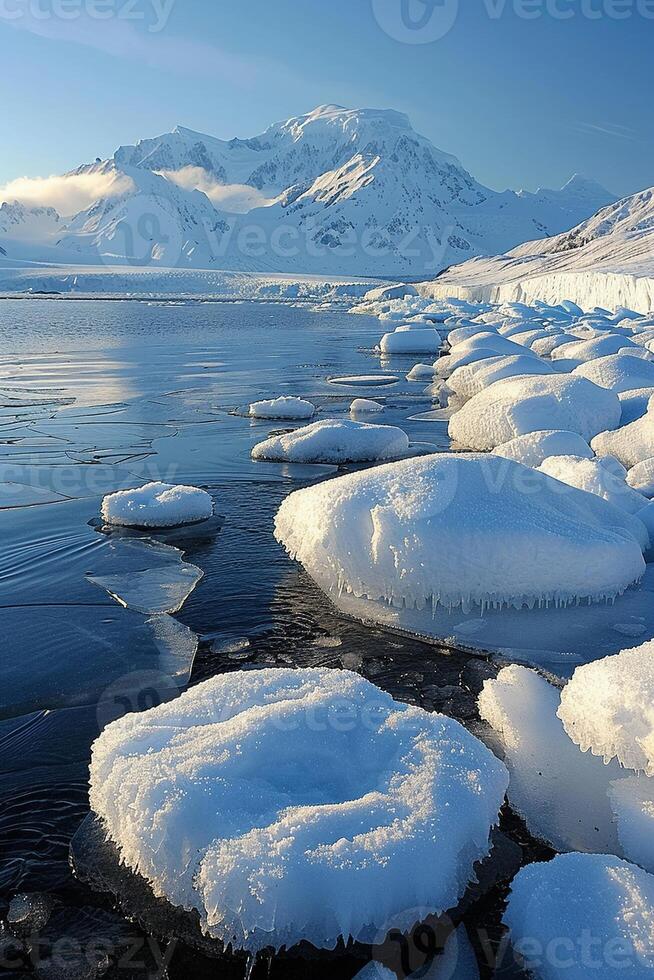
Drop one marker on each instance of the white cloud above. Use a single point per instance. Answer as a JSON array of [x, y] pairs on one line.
[[233, 198], [68, 194]]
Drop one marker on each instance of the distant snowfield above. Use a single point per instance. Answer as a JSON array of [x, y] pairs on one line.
[[98, 281]]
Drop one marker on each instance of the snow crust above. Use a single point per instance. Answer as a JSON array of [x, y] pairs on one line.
[[157, 505], [335, 441], [460, 530], [297, 804], [534, 448], [285, 407], [517, 406]]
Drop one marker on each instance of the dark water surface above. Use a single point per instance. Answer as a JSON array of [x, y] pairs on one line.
[[95, 396]]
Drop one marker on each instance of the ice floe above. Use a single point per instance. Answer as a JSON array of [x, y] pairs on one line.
[[285, 407], [605, 477], [460, 530], [285, 805], [535, 447], [581, 916], [561, 793], [470, 379], [335, 441], [635, 404], [445, 366], [619, 372], [421, 372], [365, 406], [517, 406], [608, 708], [411, 341], [631, 444], [157, 505], [641, 477], [589, 350], [153, 590]]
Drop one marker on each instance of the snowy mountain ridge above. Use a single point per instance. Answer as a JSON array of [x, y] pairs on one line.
[[335, 191], [606, 260]]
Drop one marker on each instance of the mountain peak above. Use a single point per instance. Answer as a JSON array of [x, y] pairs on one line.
[[582, 184], [330, 177]]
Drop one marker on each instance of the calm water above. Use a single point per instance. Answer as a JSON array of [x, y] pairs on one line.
[[101, 395]]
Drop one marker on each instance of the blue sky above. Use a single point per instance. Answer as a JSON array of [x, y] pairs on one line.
[[523, 101]]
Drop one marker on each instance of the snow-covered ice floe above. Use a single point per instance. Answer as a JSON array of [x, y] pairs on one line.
[[534, 448], [460, 531], [605, 477], [421, 372], [581, 916], [517, 406], [631, 444], [469, 379], [335, 441], [285, 407], [619, 372], [287, 805], [411, 340], [641, 477], [448, 547], [581, 761], [608, 708], [561, 793], [157, 505], [365, 406]]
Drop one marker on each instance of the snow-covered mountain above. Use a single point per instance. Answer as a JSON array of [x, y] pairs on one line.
[[335, 191], [607, 260], [22, 223]]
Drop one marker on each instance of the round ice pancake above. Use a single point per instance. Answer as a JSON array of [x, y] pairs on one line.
[[297, 804]]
